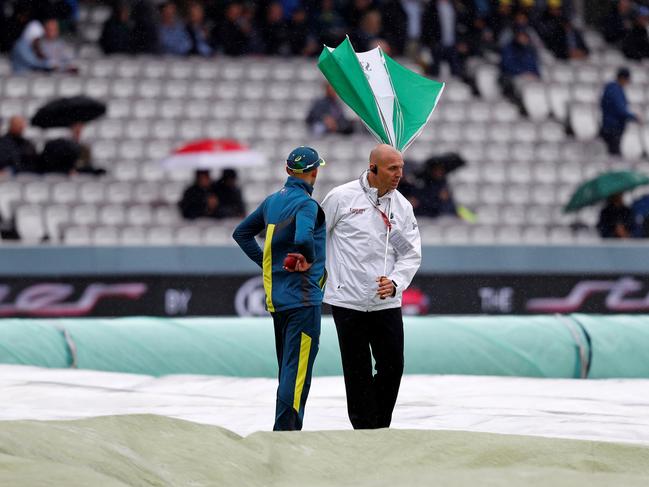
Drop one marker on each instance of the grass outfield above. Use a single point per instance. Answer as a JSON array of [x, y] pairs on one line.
[[148, 450]]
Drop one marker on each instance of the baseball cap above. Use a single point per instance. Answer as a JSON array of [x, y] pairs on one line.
[[303, 159]]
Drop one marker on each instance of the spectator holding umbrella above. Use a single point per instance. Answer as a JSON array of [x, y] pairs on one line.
[[229, 195], [200, 199], [67, 155], [435, 198], [616, 219]]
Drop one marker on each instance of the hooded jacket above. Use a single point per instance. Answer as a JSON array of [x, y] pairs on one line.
[[356, 239]]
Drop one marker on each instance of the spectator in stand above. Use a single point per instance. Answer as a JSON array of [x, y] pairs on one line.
[[301, 39], [618, 22], [57, 52], [198, 31], [200, 200], [369, 31], [274, 30], [83, 163], [636, 43], [519, 21], [145, 28], [616, 219], [519, 60], [174, 37], [229, 195], [117, 32], [234, 34], [356, 10], [329, 24], [440, 35], [402, 28], [326, 115], [14, 26], [615, 111], [435, 198], [26, 54], [559, 34], [17, 154]]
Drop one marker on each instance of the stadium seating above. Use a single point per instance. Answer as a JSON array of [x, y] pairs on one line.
[[521, 169]]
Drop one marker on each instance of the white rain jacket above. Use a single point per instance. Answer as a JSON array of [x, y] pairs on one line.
[[356, 233]]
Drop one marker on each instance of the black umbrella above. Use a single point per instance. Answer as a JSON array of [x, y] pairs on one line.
[[450, 161], [64, 112]]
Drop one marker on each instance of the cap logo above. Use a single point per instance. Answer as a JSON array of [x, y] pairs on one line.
[[298, 158]]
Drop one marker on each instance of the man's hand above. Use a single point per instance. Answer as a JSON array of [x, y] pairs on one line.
[[386, 287], [301, 265]]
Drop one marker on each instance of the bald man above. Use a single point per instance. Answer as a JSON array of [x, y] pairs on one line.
[[16, 152], [373, 252]]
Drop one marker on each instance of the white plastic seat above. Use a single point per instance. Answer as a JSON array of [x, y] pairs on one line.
[[483, 234], [119, 192], [513, 215], [139, 215], [77, 235], [105, 235], [152, 171], [160, 235], [55, 216], [486, 77], [29, 224], [508, 234], [91, 192], [539, 215], [488, 214], [535, 101], [36, 192], [125, 171], [584, 121], [188, 235], [83, 214], [559, 97], [112, 214], [457, 234], [631, 146], [172, 191], [537, 235], [516, 194], [132, 236], [176, 89], [146, 192], [145, 108], [10, 193], [166, 215]]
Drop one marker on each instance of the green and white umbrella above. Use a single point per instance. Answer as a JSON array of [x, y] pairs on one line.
[[393, 102]]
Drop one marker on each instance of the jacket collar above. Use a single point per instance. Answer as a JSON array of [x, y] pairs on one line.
[[293, 182], [372, 193]]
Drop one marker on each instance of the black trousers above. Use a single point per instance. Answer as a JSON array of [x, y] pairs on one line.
[[361, 335]]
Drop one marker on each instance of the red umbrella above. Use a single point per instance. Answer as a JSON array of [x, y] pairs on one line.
[[213, 154]]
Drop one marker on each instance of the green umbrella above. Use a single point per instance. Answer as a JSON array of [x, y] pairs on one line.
[[394, 103], [603, 186]]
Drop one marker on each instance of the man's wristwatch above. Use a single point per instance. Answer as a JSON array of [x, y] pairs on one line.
[[394, 291]]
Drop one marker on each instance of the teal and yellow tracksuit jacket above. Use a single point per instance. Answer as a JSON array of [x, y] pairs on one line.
[[294, 222]]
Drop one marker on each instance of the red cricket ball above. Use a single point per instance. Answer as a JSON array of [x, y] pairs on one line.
[[290, 262]]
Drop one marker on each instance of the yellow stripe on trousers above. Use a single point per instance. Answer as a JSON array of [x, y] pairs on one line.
[[268, 266], [303, 364]]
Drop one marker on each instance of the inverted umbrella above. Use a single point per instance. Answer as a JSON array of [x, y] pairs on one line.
[[64, 112], [394, 103], [603, 186], [213, 154]]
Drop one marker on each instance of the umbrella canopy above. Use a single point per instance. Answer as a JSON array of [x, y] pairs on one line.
[[213, 154], [603, 186], [394, 103], [64, 112], [450, 161]]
